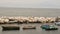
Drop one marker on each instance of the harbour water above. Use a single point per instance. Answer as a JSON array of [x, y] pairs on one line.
[[38, 30], [30, 12]]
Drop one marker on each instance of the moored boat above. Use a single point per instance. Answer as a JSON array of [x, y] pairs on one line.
[[4, 28], [29, 27], [57, 23], [49, 27]]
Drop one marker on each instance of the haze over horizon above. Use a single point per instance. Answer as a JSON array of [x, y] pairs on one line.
[[30, 3]]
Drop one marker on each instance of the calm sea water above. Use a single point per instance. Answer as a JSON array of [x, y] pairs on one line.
[[30, 12]]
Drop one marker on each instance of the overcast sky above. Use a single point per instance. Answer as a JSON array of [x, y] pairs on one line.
[[30, 3]]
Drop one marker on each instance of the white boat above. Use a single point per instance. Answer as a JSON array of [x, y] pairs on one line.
[[57, 23]]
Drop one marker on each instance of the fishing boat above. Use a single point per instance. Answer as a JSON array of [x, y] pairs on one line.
[[49, 27], [29, 27], [57, 23], [4, 28]]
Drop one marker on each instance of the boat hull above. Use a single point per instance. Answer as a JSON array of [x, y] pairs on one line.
[[10, 28], [52, 29], [47, 27], [28, 28]]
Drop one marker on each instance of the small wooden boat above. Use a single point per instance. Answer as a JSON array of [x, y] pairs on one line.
[[29, 27], [57, 23], [49, 27], [4, 28]]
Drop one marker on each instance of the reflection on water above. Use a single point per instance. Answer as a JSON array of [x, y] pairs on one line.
[[38, 30], [10, 32]]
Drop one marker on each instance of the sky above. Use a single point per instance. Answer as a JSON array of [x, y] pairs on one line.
[[30, 3]]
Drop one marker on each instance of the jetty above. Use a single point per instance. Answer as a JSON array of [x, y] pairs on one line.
[[21, 20]]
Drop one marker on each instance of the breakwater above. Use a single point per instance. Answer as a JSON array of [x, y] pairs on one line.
[[29, 19]]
